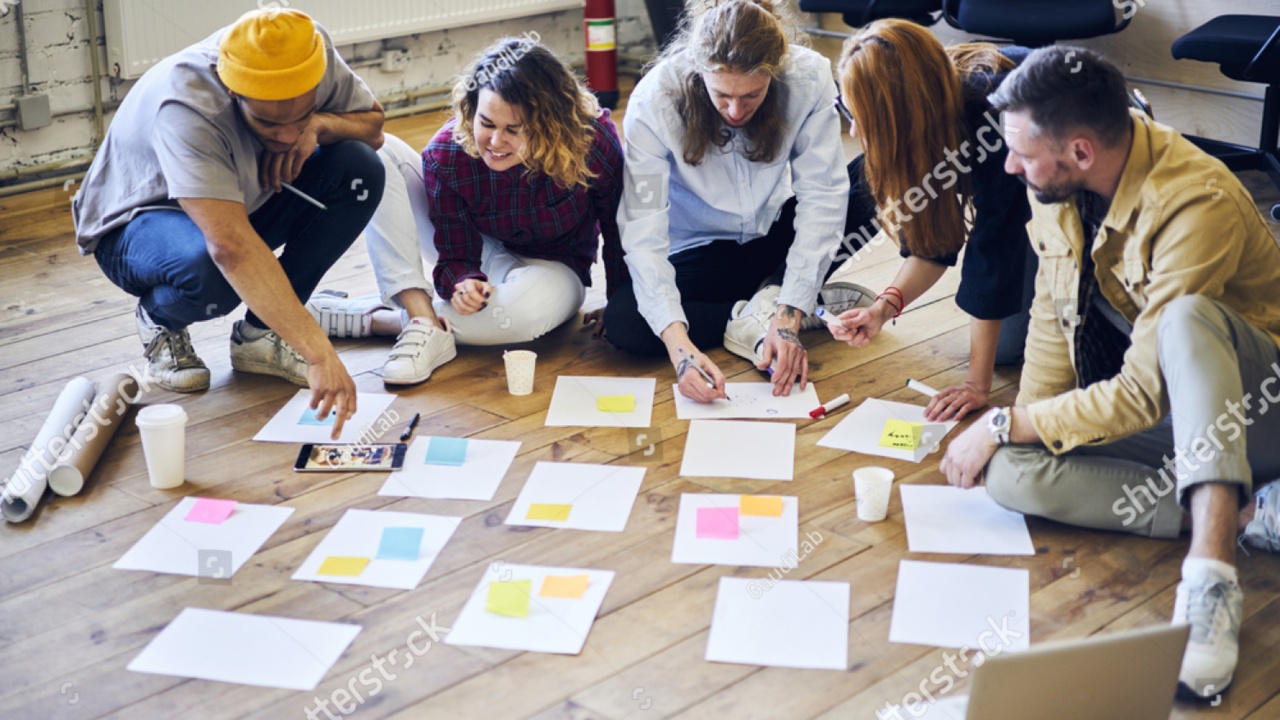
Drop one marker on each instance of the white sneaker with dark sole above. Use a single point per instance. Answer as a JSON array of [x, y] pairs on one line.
[[1212, 607], [172, 362], [421, 348], [267, 355]]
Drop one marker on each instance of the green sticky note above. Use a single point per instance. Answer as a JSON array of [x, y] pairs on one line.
[[548, 511], [509, 599], [901, 434], [616, 403], [343, 566]]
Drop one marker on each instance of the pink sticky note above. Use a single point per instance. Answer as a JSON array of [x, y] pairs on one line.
[[718, 523], [209, 510]]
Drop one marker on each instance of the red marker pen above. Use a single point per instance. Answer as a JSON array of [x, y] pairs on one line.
[[829, 406]]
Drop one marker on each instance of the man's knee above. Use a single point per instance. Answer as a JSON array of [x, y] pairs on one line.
[[363, 169], [1187, 318], [1015, 479]]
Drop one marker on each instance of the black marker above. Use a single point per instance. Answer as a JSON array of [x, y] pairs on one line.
[[408, 431]]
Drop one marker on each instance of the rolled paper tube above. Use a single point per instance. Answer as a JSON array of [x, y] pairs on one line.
[[115, 395], [22, 492]]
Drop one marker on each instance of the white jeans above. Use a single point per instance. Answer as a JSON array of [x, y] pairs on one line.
[[530, 297]]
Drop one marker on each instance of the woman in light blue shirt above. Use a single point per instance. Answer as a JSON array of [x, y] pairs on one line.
[[735, 199]]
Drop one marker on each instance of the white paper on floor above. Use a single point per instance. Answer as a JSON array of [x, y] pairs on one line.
[[360, 534], [753, 401], [794, 623], [371, 423], [247, 649], [761, 541], [861, 428], [578, 496], [945, 519], [478, 478], [954, 606], [740, 449], [576, 401], [211, 550]]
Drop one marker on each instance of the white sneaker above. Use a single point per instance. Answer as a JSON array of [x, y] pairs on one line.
[[171, 361], [749, 323], [1263, 531], [267, 355], [836, 298], [1212, 607], [344, 317], [421, 348]]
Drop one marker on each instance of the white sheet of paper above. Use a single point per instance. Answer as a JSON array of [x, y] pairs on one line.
[[740, 449], [792, 623], [234, 647], [476, 479], [177, 546], [762, 541], [554, 625], [945, 519], [953, 606], [861, 428], [601, 495], [369, 424], [574, 401], [753, 400], [358, 533]]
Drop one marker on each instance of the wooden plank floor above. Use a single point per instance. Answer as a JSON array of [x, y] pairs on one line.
[[69, 624]]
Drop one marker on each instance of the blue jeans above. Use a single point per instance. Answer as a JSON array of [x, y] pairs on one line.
[[161, 256]]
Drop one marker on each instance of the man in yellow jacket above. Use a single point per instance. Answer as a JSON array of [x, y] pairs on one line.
[[1153, 355]]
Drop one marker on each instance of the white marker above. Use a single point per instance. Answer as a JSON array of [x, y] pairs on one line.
[[829, 406], [832, 321], [303, 195], [921, 388]]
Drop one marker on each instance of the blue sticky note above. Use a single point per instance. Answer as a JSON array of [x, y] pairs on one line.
[[400, 543], [309, 418], [447, 451]]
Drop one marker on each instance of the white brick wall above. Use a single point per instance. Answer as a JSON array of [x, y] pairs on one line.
[[58, 51]]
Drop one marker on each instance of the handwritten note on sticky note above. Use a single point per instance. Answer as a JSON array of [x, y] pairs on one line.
[[548, 511], [339, 566], [309, 418], [901, 434], [447, 451], [400, 543], [762, 505], [509, 599], [616, 403], [211, 511], [718, 523], [572, 587]]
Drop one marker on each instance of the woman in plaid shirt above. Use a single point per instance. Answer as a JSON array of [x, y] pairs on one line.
[[507, 205]]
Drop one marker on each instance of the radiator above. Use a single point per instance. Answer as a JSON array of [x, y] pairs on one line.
[[140, 33]]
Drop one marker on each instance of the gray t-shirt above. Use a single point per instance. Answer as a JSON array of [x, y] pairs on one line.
[[178, 134]]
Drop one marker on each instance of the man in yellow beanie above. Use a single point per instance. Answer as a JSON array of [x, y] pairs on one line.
[[183, 205]]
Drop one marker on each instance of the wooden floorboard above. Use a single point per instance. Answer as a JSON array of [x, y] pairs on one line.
[[69, 623]]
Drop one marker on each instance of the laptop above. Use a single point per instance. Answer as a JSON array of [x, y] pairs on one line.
[[1125, 676]]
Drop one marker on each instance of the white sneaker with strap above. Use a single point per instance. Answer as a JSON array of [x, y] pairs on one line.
[[421, 347], [344, 317]]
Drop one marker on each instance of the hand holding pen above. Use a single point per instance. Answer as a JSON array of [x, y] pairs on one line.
[[699, 382]]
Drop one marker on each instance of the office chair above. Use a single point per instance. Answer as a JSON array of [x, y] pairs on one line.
[[1036, 23], [857, 13]]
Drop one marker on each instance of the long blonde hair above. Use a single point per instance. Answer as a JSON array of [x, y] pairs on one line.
[[906, 96], [557, 113], [750, 37]]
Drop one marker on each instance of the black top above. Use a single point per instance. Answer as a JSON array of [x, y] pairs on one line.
[[991, 279]]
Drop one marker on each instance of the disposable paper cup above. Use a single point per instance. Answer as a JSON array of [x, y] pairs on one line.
[[871, 486], [163, 429], [520, 370]]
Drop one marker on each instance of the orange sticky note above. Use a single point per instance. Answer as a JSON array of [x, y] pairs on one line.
[[343, 566], [548, 511], [564, 586], [762, 505]]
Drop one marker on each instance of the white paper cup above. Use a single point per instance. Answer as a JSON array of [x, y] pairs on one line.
[[520, 365], [871, 487], [163, 429]]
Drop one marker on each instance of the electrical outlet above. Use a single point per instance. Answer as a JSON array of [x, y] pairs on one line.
[[395, 60]]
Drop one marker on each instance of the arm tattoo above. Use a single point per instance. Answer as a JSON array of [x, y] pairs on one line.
[[790, 336]]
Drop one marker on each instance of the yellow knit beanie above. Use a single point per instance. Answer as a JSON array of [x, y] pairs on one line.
[[271, 54]]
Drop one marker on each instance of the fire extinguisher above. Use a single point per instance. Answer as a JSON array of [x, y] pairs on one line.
[[600, 36]]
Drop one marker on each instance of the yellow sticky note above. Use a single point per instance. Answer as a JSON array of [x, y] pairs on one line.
[[343, 566], [762, 505], [548, 511], [901, 434], [509, 599], [564, 586], [616, 403]]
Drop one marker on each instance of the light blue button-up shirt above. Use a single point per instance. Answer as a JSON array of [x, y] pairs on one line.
[[669, 206]]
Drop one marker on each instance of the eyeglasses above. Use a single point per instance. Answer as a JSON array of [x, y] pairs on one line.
[[844, 110]]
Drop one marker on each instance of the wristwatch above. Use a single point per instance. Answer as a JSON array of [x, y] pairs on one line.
[[998, 425]]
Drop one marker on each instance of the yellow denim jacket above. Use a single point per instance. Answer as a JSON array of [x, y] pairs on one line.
[[1180, 224]]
